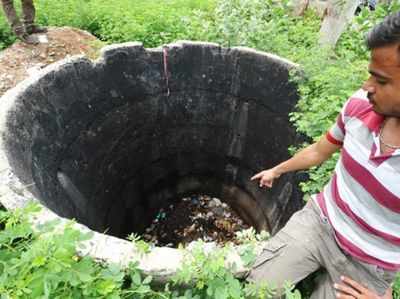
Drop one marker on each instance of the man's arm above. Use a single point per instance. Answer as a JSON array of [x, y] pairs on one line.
[[312, 155]]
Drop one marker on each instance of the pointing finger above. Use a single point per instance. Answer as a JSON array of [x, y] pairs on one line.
[[257, 176]]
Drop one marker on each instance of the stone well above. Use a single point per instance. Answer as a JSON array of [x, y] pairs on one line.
[[109, 142]]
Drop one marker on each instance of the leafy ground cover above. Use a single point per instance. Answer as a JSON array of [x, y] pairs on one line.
[[42, 263], [152, 22], [330, 76]]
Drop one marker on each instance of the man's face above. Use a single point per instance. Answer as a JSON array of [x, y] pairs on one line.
[[383, 86]]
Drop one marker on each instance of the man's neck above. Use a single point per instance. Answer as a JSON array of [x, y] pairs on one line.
[[390, 133], [393, 123]]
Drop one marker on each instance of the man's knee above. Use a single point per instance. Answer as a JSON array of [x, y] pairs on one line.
[[272, 267], [284, 261]]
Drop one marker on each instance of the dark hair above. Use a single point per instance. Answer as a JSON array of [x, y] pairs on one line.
[[385, 33]]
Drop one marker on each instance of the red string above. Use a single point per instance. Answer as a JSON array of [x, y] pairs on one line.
[[165, 56]]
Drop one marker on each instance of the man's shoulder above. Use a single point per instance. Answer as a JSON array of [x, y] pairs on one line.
[[357, 105]]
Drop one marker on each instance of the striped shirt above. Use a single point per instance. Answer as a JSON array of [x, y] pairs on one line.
[[362, 199]]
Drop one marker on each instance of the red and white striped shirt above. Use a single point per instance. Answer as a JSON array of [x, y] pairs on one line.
[[362, 199]]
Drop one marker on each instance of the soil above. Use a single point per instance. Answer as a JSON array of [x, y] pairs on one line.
[[21, 60], [193, 218]]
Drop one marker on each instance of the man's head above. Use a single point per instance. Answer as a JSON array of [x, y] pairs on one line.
[[383, 86]]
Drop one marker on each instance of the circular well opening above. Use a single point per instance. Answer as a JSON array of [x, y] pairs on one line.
[[106, 144]]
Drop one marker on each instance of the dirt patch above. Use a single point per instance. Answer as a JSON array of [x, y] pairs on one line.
[[21, 60], [193, 218]]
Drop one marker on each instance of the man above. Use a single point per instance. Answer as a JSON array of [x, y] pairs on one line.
[[352, 228], [22, 31]]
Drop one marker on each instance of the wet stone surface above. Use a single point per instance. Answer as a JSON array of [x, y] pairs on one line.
[[196, 217]]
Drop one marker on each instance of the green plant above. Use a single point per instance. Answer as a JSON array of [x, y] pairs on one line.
[[41, 262], [152, 22], [142, 246], [212, 277]]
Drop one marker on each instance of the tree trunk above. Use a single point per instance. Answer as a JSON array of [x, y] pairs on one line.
[[299, 7], [338, 14]]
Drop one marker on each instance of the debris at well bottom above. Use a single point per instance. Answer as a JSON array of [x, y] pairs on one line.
[[196, 217]]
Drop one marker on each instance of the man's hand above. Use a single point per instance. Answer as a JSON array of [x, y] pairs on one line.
[[351, 289], [310, 156], [266, 177]]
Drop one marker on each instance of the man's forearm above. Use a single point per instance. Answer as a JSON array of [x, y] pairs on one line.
[[312, 155], [304, 159]]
